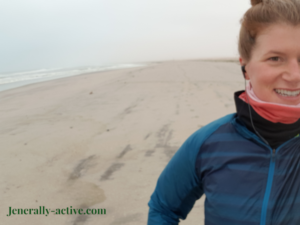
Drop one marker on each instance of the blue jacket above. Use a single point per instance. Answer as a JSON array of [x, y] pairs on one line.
[[245, 181]]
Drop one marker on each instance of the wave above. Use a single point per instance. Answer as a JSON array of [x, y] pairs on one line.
[[40, 74]]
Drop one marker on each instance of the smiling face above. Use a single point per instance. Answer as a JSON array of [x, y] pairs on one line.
[[274, 67]]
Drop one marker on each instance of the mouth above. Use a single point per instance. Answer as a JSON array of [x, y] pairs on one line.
[[287, 93]]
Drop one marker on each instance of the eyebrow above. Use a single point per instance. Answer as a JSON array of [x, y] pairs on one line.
[[274, 52]]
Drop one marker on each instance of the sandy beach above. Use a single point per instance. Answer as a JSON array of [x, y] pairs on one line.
[[101, 140]]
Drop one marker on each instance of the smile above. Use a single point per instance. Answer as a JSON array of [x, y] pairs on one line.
[[287, 93]]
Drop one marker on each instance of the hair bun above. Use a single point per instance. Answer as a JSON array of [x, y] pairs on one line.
[[255, 2]]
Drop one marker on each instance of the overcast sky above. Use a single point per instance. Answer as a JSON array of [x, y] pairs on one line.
[[36, 34]]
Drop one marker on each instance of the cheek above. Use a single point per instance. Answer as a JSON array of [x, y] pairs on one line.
[[262, 77]]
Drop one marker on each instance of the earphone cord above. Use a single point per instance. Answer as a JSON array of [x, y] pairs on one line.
[[251, 118]]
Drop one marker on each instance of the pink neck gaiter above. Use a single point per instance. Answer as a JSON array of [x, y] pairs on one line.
[[274, 112]]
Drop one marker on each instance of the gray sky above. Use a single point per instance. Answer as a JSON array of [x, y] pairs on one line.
[[37, 34]]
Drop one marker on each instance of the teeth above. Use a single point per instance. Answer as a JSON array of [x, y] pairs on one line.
[[287, 93]]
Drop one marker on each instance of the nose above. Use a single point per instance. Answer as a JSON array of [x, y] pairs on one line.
[[293, 71]]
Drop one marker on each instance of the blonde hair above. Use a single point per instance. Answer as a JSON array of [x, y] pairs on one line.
[[262, 14]]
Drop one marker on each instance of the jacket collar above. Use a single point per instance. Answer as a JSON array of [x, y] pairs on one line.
[[275, 133]]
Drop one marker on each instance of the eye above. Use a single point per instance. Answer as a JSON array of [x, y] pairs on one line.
[[275, 58]]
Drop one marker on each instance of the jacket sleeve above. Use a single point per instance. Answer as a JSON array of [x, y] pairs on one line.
[[178, 187]]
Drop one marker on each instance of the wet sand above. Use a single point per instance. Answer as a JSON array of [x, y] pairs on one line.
[[101, 140]]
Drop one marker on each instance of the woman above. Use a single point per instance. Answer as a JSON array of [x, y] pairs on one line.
[[247, 163]]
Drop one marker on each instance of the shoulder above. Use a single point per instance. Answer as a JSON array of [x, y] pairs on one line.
[[198, 137], [191, 147]]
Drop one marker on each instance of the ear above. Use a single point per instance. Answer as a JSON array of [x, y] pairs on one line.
[[243, 63]]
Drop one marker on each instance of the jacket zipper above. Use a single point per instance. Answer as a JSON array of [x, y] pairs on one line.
[[269, 183], [273, 154], [268, 188]]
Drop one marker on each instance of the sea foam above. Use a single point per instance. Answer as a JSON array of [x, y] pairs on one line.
[[18, 79]]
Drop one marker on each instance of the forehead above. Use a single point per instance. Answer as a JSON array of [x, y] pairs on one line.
[[278, 37]]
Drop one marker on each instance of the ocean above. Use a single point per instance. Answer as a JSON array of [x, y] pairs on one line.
[[18, 79]]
